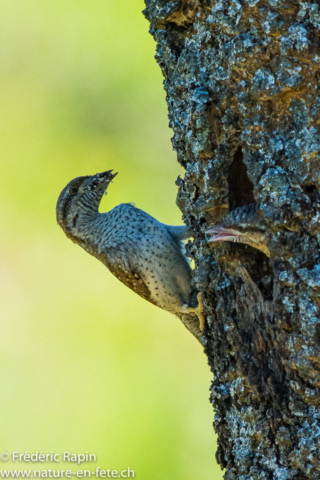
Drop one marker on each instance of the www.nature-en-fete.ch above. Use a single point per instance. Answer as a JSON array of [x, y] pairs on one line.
[[66, 457]]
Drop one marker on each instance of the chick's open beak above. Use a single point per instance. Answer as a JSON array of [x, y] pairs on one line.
[[221, 234]]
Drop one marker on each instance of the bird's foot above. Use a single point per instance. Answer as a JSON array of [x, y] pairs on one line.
[[199, 310]]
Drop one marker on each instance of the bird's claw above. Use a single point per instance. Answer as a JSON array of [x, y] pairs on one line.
[[200, 312]]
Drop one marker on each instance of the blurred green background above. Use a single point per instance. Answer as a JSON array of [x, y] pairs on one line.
[[87, 365]]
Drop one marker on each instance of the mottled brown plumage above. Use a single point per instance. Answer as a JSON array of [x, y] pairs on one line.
[[144, 254]]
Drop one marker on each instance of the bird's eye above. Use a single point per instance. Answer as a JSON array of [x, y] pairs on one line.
[[73, 191]]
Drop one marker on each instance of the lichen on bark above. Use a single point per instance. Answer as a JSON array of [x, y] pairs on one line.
[[241, 78]]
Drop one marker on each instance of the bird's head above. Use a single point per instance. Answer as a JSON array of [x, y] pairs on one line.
[[81, 199], [242, 225]]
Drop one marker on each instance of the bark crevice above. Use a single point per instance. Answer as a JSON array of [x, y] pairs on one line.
[[240, 186]]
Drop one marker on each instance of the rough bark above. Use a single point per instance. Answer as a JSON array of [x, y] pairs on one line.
[[241, 78]]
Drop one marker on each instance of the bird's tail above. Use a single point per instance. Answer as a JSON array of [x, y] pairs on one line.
[[191, 322]]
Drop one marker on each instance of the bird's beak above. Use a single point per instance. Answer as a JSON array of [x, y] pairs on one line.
[[221, 234], [106, 177], [100, 181]]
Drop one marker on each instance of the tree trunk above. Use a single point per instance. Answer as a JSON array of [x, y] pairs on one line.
[[241, 78]]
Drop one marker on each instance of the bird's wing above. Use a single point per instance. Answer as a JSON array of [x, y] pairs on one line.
[[178, 233], [130, 277]]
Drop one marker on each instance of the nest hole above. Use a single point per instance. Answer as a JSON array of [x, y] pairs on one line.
[[240, 186]]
